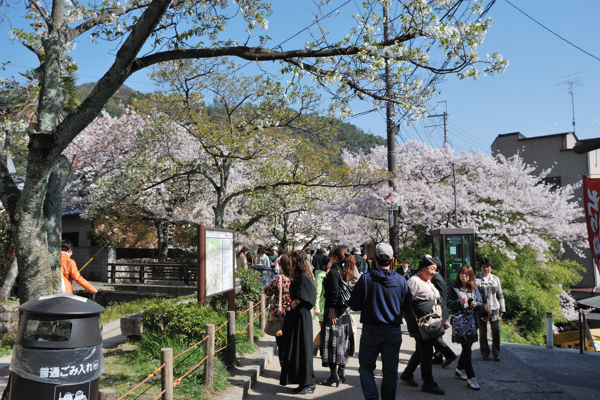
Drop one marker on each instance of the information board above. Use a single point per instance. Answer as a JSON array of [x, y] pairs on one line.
[[216, 263], [219, 262]]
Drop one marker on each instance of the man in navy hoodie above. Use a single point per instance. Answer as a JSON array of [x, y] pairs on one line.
[[381, 295]]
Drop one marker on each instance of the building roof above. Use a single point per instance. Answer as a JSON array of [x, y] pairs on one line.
[[587, 145]]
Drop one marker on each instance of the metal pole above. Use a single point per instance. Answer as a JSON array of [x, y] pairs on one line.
[[580, 332], [549, 331], [390, 127]]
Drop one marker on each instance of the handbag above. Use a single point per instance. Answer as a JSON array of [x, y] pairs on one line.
[[273, 326], [431, 326], [464, 329], [345, 293], [486, 310]]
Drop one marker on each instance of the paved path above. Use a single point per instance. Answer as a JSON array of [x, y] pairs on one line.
[[525, 372]]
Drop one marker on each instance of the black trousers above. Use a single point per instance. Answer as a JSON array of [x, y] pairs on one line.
[[422, 355]]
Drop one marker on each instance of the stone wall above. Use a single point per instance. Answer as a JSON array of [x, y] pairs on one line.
[[9, 319]]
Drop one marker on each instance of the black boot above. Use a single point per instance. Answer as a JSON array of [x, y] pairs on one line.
[[342, 373], [333, 378]]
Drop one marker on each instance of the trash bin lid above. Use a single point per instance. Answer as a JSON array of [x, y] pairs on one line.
[[62, 304]]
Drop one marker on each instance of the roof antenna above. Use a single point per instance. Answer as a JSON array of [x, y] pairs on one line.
[[570, 84]]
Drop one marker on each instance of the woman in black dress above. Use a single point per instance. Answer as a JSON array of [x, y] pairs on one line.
[[297, 356]]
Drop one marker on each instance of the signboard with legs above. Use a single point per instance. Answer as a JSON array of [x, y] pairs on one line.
[[216, 263]]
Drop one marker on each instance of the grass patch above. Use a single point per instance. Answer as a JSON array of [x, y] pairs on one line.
[[114, 311], [133, 362]]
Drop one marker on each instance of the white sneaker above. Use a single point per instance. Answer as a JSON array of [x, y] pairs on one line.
[[473, 384], [461, 374]]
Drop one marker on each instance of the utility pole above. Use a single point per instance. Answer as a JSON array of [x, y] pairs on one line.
[[445, 116], [390, 129]]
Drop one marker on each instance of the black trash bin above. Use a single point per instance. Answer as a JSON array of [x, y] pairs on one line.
[[58, 352]]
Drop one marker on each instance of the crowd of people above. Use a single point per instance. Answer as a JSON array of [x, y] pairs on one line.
[[327, 284]]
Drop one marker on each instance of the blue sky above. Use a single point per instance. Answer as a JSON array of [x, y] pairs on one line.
[[530, 97]]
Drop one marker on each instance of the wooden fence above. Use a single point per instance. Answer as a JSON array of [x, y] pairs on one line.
[[142, 272]]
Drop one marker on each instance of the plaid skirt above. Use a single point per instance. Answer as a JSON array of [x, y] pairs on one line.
[[337, 341]]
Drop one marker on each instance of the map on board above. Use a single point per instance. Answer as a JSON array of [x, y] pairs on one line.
[[219, 261]]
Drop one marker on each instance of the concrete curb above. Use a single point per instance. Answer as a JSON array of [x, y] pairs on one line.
[[244, 376]]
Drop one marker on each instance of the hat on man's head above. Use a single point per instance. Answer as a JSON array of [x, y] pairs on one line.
[[384, 253], [406, 260], [356, 251], [274, 248]]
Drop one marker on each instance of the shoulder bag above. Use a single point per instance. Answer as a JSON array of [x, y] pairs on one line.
[[273, 326], [345, 293], [464, 329], [431, 326]]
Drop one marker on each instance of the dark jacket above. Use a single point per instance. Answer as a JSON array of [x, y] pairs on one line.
[[454, 301], [440, 285], [361, 264], [409, 273], [317, 259], [331, 287], [382, 296]]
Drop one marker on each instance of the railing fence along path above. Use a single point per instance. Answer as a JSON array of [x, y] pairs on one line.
[[168, 383]]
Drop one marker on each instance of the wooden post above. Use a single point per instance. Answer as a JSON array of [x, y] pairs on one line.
[[262, 319], [166, 375], [209, 351], [141, 274], [250, 305], [231, 336]]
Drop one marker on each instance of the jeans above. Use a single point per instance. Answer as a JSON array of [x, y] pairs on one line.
[[422, 355], [465, 362], [483, 340], [376, 340]]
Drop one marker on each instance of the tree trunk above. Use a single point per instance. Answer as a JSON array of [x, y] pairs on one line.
[[219, 211], [53, 218], [9, 280], [162, 230], [31, 240]]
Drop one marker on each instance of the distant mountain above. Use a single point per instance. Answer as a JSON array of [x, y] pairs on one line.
[[124, 96], [350, 136]]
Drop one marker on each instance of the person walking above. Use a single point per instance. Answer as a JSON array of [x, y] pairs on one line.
[[297, 360], [70, 272], [464, 300], [262, 258], [320, 304], [272, 289], [490, 289], [337, 338], [425, 300], [382, 296], [442, 350]]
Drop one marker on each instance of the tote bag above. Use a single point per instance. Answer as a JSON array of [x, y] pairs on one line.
[[273, 326], [463, 328]]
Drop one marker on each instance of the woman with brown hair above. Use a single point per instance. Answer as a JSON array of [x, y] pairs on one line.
[[464, 300], [337, 338], [297, 359]]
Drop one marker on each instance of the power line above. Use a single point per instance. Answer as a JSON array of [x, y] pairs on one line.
[[552, 32]]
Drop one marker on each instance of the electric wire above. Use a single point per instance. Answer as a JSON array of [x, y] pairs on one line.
[[552, 32]]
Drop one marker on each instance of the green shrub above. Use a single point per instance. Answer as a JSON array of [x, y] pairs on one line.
[[251, 291], [184, 321]]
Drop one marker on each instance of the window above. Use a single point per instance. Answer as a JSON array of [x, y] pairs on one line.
[[553, 181]]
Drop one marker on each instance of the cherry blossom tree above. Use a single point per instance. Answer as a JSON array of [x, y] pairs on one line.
[[499, 197], [425, 40]]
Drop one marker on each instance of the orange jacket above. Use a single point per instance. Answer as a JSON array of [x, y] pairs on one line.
[[70, 273]]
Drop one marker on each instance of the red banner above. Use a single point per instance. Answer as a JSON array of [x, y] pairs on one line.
[[591, 202]]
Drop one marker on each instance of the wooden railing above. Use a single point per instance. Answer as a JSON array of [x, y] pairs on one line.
[[142, 272]]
